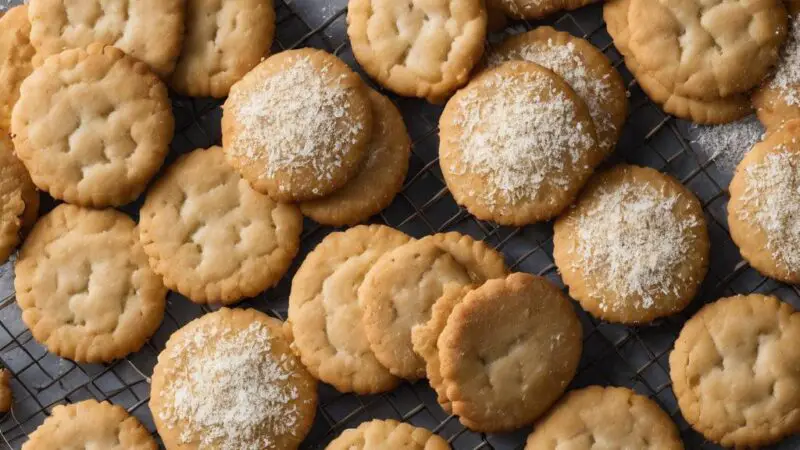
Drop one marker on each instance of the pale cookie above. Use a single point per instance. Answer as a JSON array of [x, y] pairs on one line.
[[387, 435], [16, 55], [517, 144], [229, 381], [765, 204], [19, 199], [92, 126], [634, 247], [380, 177], [224, 40], [777, 101], [425, 338], [6, 396], [90, 424], [397, 295], [735, 371], [508, 351], [84, 285], [418, 48], [298, 125], [149, 30], [325, 319], [537, 9], [587, 70], [211, 236], [608, 418], [481, 261]]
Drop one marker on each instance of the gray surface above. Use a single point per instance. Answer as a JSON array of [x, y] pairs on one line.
[[613, 354]]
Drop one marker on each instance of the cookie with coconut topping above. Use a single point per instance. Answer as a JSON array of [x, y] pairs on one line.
[[229, 381], [517, 144], [777, 101], [634, 247], [298, 125], [765, 205]]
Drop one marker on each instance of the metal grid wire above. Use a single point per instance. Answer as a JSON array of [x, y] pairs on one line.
[[635, 357]]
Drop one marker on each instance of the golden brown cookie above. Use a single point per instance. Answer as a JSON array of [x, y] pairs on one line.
[[765, 204], [605, 417], [585, 68], [325, 319], [777, 100], [149, 30], [90, 424], [6, 396], [634, 247], [224, 40], [517, 144], [84, 285], [735, 371], [16, 55], [418, 48], [92, 126], [504, 366], [537, 9], [298, 125], [19, 199], [229, 380], [211, 236], [481, 261], [380, 177], [387, 435]]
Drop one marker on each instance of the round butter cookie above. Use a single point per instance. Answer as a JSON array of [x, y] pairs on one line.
[[92, 126], [84, 285], [380, 177], [229, 381], [537, 9], [765, 204], [634, 247], [298, 125], [418, 48], [211, 236], [504, 366], [19, 199], [149, 30], [90, 424], [605, 417], [585, 68], [387, 435], [16, 55], [325, 319], [517, 144], [777, 101], [224, 40], [735, 371]]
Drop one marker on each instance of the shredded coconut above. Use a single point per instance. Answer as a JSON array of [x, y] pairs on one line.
[[229, 391], [726, 144], [787, 77]]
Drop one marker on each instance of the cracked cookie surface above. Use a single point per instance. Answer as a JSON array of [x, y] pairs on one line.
[[387, 435]]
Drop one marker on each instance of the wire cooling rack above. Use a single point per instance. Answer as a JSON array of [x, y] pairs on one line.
[[636, 357]]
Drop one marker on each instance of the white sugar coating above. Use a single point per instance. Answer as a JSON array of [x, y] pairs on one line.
[[566, 61], [633, 240], [518, 139], [292, 121], [228, 390], [771, 202], [726, 144], [787, 76]]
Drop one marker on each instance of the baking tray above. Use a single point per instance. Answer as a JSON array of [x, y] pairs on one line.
[[636, 357]]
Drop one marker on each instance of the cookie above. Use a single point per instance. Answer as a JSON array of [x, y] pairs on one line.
[[418, 48], [765, 203], [777, 101], [537, 9], [92, 126], [6, 396], [607, 416], [517, 144], [481, 261], [387, 435], [504, 366], [16, 55], [380, 177], [425, 338], [634, 247], [325, 319], [224, 40], [397, 295], [211, 236], [84, 285], [734, 371], [90, 424], [229, 380], [585, 68], [19, 199], [298, 125], [150, 31]]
